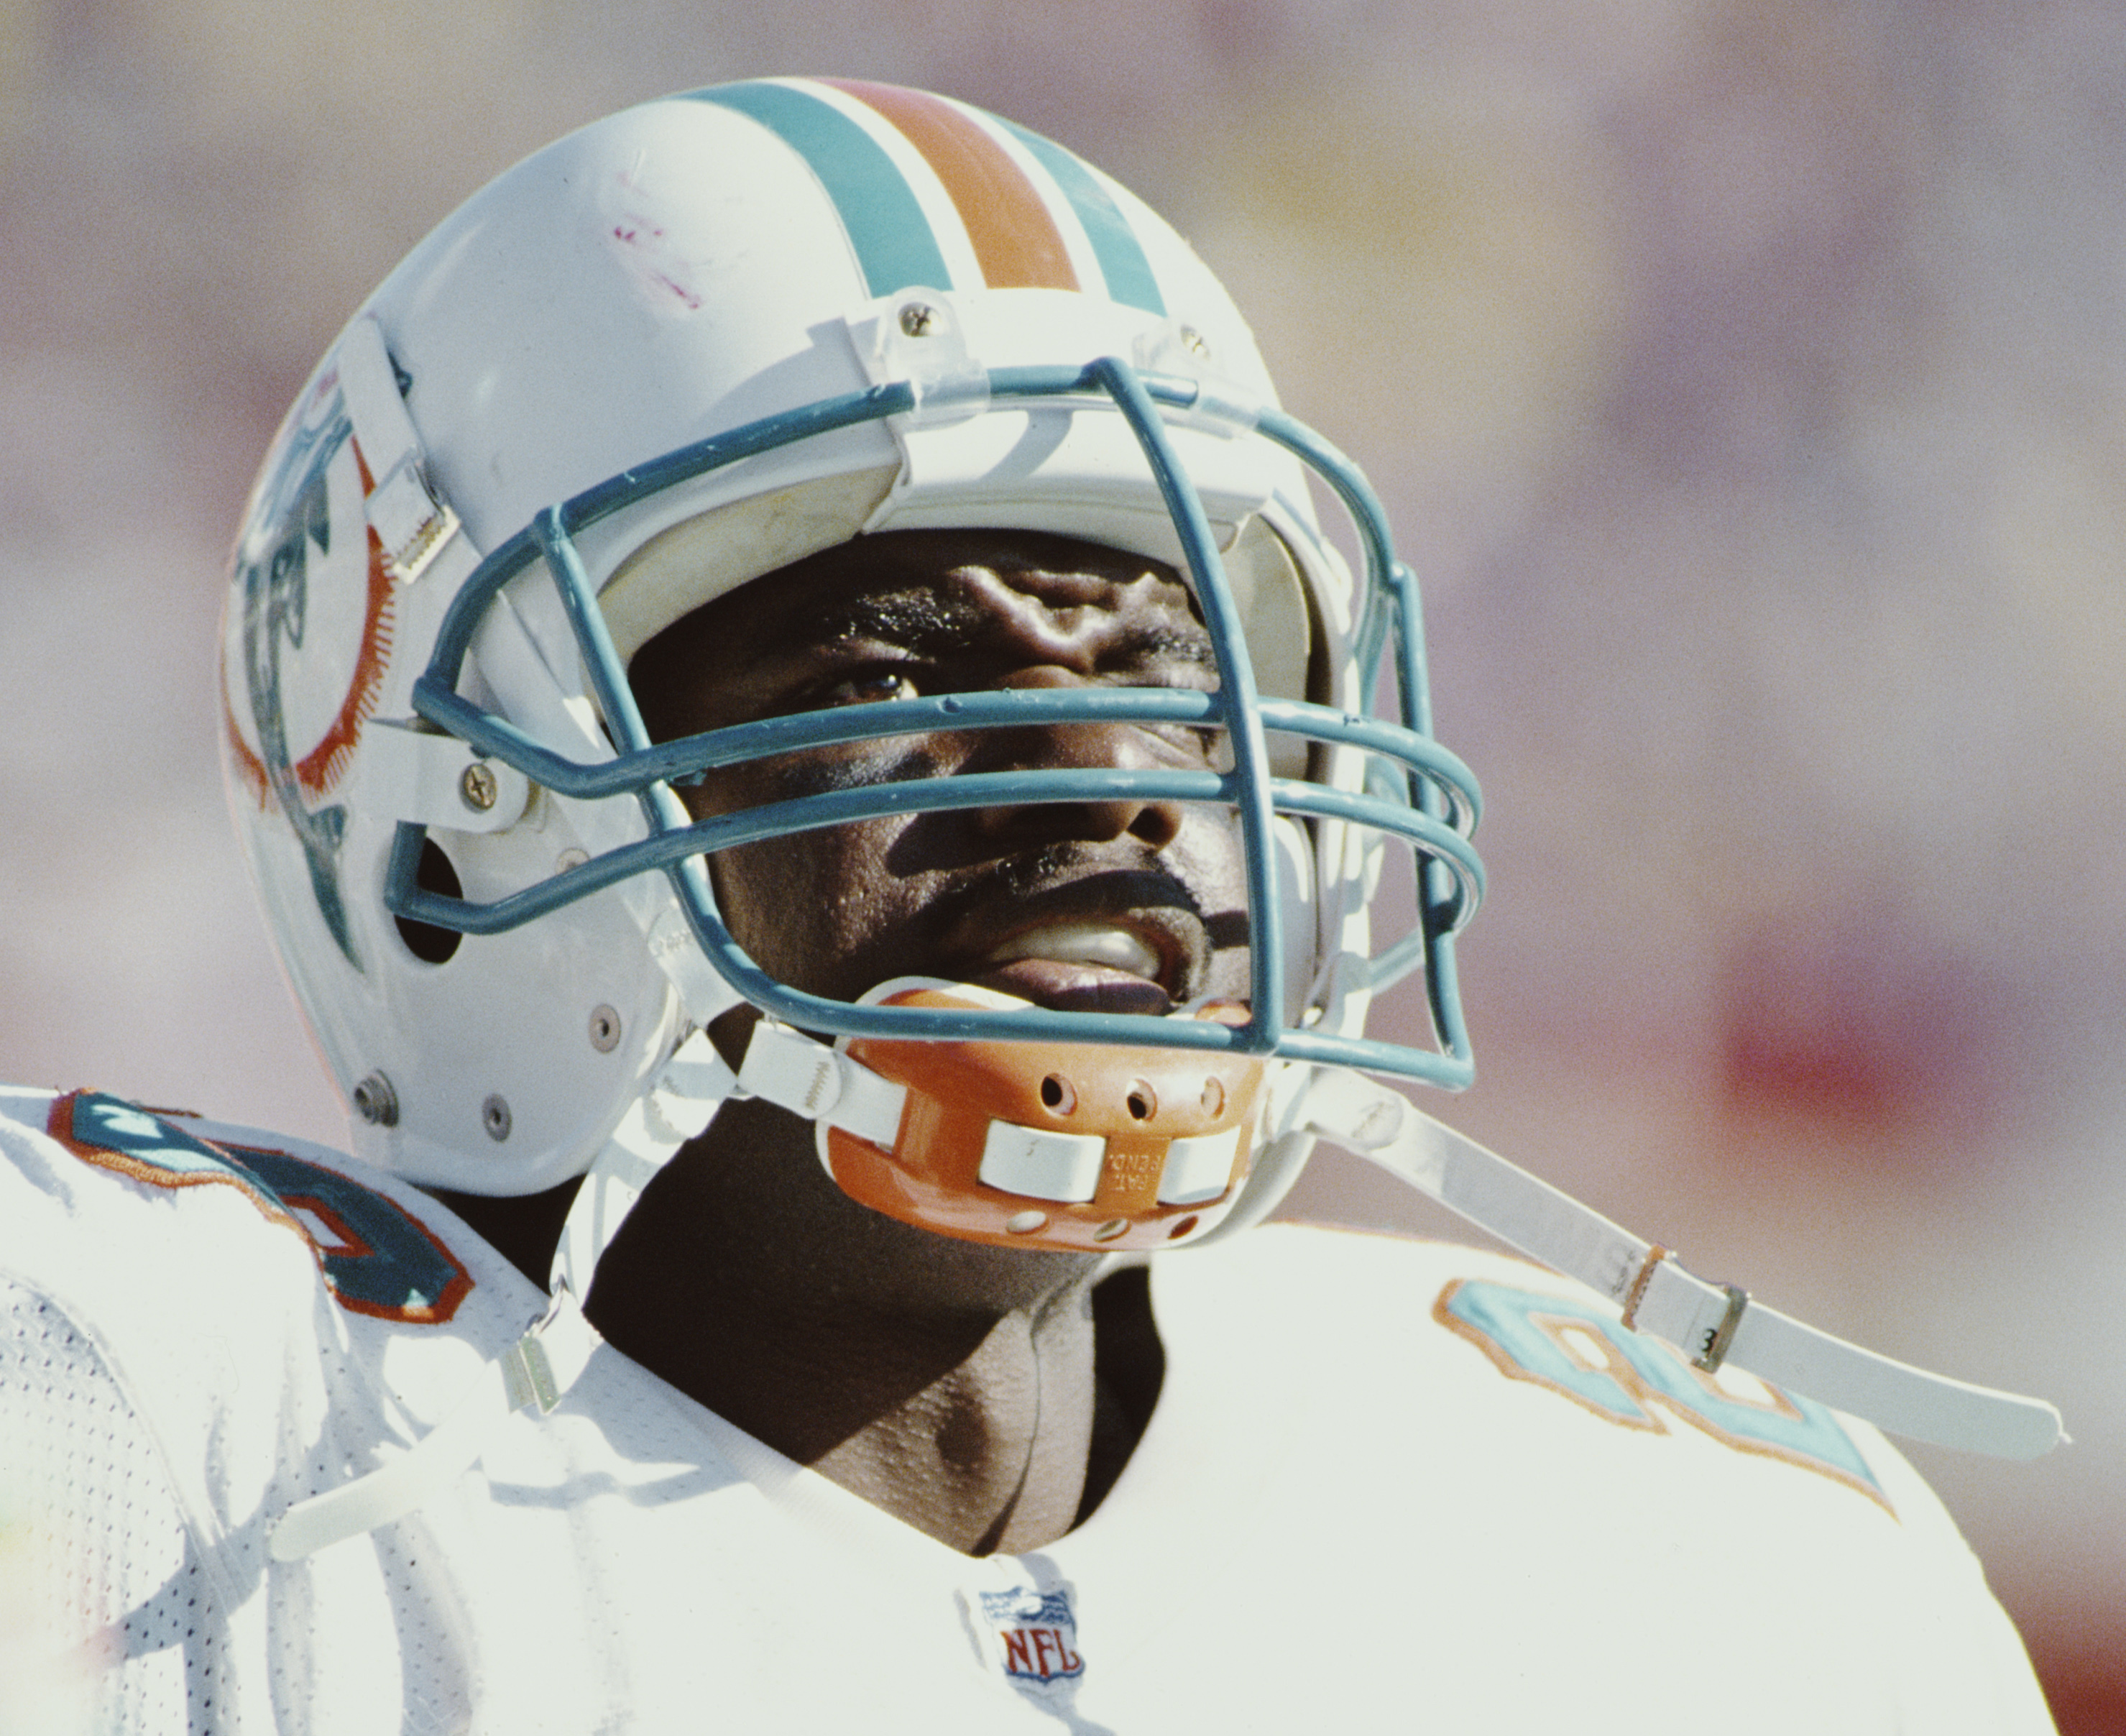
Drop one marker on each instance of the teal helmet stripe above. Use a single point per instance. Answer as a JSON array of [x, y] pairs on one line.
[[880, 212], [1122, 256]]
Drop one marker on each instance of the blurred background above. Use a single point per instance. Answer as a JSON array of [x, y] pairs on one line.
[[1746, 378]]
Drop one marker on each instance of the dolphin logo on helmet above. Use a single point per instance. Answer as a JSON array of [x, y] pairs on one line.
[[274, 577]]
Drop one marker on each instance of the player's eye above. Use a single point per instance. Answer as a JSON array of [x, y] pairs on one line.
[[869, 687]]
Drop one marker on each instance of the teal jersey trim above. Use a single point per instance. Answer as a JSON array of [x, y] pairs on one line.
[[378, 1259]]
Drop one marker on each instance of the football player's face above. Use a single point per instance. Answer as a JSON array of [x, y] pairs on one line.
[[1121, 906]]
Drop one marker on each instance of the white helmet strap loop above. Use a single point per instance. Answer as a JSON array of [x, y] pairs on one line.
[[678, 1107], [412, 526]]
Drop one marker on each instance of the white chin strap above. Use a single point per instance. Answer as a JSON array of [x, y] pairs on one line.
[[1714, 1325]]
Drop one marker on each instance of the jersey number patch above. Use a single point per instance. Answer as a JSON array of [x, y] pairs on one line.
[[1595, 1360], [377, 1258]]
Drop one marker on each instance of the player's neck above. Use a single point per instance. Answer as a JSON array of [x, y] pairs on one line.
[[990, 1454], [954, 1386], [972, 1423]]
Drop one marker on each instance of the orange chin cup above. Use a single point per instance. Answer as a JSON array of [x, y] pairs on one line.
[[1092, 1148]]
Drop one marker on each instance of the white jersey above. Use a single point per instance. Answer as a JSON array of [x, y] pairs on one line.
[[1388, 1486]]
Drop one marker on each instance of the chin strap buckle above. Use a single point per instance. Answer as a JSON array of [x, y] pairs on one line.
[[1637, 1294], [528, 1372], [1721, 1338], [1714, 1341]]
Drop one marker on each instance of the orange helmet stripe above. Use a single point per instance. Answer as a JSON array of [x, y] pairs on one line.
[[1009, 225]]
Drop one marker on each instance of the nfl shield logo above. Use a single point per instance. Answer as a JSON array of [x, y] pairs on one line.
[[1036, 1634]]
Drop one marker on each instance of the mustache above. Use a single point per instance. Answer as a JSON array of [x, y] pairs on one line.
[[1074, 882], [1085, 876]]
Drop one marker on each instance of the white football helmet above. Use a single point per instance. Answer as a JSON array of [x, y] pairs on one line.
[[685, 346]]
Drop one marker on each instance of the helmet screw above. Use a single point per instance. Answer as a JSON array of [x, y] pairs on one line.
[[570, 858], [376, 1102], [477, 787], [605, 1029], [1194, 342], [916, 318], [494, 1117]]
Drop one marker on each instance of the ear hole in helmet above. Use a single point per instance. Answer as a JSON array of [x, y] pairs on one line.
[[424, 941]]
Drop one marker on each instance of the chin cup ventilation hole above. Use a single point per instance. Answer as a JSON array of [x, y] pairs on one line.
[[1057, 1093], [1025, 1224], [1112, 1228], [1142, 1101]]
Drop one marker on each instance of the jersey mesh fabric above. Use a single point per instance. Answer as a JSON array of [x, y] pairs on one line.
[[110, 1625]]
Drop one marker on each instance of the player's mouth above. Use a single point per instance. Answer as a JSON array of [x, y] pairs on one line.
[[1088, 966]]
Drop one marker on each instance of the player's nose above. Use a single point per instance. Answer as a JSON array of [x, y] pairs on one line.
[[1117, 746]]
